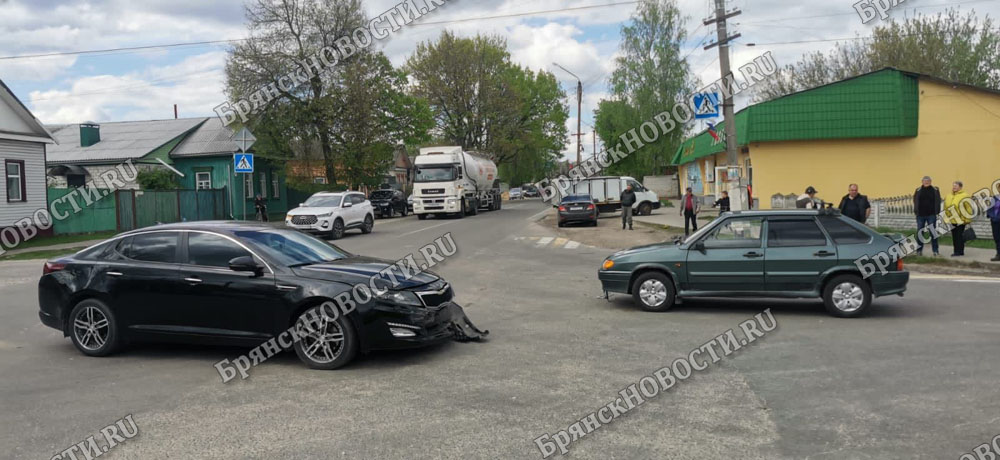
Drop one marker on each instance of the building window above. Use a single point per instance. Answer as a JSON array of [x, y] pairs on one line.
[[76, 180], [275, 190], [15, 180], [203, 180], [248, 184], [263, 185]]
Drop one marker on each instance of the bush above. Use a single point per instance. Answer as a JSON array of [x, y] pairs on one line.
[[157, 179]]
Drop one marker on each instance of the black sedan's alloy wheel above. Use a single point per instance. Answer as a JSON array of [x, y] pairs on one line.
[[93, 328], [369, 224], [653, 291], [325, 343]]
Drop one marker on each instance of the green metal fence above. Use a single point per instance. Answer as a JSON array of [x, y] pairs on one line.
[[142, 208], [99, 216]]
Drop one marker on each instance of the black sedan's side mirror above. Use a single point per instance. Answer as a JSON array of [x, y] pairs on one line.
[[246, 264]]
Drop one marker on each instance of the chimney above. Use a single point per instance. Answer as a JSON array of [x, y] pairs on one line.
[[90, 134]]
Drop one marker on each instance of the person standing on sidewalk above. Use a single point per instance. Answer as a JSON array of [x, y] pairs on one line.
[[808, 200], [927, 205], [628, 199], [722, 203], [689, 209], [954, 203], [994, 215], [855, 205]]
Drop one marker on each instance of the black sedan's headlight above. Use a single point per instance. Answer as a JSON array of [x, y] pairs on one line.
[[400, 298]]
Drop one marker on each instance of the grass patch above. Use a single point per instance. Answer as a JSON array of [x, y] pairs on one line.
[[42, 254], [950, 262], [63, 239], [983, 242], [666, 204]]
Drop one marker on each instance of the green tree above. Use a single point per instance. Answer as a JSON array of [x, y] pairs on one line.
[[352, 113], [481, 101], [157, 179], [650, 76], [964, 49]]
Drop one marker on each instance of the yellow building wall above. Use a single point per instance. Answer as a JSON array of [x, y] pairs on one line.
[[958, 139]]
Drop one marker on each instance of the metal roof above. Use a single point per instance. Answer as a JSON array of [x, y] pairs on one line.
[[211, 138], [880, 104], [119, 140]]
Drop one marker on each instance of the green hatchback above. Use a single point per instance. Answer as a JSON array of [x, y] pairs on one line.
[[782, 253]]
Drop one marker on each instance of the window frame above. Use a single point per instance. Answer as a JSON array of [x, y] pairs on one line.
[[760, 240], [198, 181], [275, 186], [827, 240], [248, 185], [262, 177], [21, 180], [177, 247]]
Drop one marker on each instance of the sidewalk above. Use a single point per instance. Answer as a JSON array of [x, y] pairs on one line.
[[666, 217], [77, 244]]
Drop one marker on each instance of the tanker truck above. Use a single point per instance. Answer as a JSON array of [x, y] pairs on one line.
[[451, 181]]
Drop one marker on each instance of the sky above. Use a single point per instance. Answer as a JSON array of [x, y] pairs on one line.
[[145, 84]]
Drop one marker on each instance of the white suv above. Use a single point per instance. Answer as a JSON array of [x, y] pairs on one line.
[[332, 213]]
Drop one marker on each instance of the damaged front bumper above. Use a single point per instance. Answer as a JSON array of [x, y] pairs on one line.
[[415, 327]]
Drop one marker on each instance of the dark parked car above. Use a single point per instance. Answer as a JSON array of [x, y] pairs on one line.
[[795, 253], [577, 208], [238, 284], [388, 202]]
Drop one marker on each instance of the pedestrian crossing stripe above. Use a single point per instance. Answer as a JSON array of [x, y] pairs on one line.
[[548, 241]]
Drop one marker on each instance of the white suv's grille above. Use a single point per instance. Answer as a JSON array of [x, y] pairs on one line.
[[303, 220]]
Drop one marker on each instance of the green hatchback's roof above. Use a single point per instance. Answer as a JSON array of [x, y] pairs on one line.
[[879, 104]]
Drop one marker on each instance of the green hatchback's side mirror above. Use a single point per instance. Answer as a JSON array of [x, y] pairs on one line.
[[699, 246]]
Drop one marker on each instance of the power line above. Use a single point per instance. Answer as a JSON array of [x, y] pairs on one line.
[[217, 42], [796, 18]]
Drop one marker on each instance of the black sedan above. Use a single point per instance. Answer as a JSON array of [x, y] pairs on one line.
[[577, 208], [388, 202], [237, 284]]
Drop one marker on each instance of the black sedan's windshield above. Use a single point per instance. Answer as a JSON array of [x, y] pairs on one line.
[[291, 248], [443, 173]]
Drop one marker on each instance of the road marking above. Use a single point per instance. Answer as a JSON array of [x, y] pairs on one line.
[[425, 228], [559, 242], [544, 241], [572, 245]]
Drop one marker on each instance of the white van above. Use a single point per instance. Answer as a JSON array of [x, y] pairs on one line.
[[607, 193]]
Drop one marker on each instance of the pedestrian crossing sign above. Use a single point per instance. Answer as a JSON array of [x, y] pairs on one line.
[[243, 162], [706, 105]]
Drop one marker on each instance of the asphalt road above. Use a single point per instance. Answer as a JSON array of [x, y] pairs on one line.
[[917, 378]]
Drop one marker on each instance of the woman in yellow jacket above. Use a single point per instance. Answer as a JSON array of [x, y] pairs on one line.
[[952, 207]]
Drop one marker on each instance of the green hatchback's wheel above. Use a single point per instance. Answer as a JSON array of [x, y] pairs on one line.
[[847, 296], [653, 291]]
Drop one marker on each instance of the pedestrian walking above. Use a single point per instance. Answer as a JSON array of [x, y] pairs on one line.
[[808, 200], [722, 203], [690, 207], [628, 199], [927, 205], [955, 217], [855, 205], [994, 214]]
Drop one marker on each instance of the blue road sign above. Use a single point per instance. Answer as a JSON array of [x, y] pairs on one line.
[[706, 105], [243, 162]]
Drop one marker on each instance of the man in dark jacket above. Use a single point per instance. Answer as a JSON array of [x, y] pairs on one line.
[[628, 199], [690, 207], [927, 205], [855, 205]]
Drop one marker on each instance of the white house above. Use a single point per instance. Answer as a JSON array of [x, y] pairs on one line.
[[23, 141]]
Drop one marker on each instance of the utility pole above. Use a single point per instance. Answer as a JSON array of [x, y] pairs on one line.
[[579, 112], [722, 41]]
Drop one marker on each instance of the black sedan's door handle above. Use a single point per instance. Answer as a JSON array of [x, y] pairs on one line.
[[824, 254], [193, 280], [753, 254]]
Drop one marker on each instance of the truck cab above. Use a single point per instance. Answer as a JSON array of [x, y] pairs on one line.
[[448, 180]]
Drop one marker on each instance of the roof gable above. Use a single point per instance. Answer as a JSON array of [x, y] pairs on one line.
[[211, 138], [17, 122], [119, 140]]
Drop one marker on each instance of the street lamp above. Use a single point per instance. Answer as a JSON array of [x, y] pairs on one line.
[[579, 111]]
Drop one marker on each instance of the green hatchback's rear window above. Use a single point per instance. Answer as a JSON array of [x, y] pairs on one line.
[[842, 232]]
